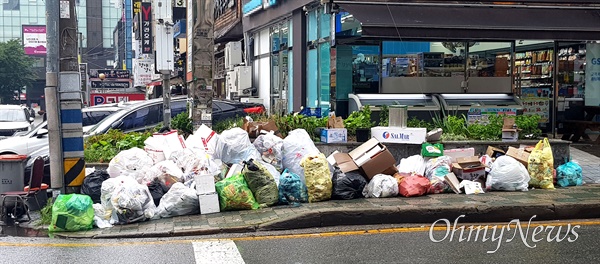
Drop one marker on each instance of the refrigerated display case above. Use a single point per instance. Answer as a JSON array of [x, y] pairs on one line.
[[421, 106], [458, 104]]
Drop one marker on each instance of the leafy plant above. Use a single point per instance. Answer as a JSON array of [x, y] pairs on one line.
[[104, 147], [359, 119], [183, 124], [529, 126], [46, 213], [492, 130], [451, 124], [384, 116], [415, 122]]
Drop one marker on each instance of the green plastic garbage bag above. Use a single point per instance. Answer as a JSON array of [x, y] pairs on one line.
[[261, 182], [234, 194], [72, 212]]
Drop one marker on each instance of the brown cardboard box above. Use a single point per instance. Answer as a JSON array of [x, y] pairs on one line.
[[374, 157], [254, 128], [469, 168], [510, 133], [519, 154], [494, 152]]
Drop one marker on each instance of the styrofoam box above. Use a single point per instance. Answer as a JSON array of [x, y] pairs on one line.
[[205, 184], [459, 153], [406, 135], [209, 203]]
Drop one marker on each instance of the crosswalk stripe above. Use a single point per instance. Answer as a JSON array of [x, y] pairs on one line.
[[216, 252]]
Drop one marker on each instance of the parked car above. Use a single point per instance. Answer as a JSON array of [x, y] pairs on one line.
[[149, 114], [24, 143], [13, 119]]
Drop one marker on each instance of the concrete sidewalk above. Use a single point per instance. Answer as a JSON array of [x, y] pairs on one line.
[[580, 202]]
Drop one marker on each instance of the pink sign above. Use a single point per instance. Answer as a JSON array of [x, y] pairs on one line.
[[34, 40]]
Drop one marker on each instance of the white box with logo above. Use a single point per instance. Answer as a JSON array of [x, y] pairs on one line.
[[406, 135], [334, 135]]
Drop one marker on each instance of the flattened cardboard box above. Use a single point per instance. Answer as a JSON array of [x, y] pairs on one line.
[[519, 154]]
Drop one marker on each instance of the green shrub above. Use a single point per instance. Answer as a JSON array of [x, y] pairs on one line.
[[183, 124], [359, 119]]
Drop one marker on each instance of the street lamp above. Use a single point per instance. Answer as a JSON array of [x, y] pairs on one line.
[[102, 76]]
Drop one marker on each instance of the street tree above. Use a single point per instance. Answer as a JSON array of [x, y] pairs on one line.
[[16, 69]]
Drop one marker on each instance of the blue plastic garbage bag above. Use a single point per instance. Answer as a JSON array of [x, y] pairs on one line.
[[291, 189], [569, 174]]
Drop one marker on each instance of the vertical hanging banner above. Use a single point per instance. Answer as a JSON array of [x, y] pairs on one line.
[[190, 41], [592, 74], [146, 28]]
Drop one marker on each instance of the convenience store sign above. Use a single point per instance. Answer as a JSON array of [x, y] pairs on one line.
[[481, 115]]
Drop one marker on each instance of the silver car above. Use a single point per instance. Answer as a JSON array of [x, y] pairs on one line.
[[13, 119]]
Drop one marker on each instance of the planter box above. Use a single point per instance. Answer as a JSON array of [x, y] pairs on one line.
[[560, 149]]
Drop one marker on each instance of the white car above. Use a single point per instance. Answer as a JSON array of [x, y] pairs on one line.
[[13, 119]]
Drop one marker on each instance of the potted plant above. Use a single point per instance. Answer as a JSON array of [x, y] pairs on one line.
[[359, 123]]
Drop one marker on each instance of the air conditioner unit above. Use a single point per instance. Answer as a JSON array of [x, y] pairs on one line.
[[252, 100], [233, 54], [163, 10], [239, 81]]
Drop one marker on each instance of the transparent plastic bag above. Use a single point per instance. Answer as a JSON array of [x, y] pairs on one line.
[[186, 159], [270, 148], [507, 174], [179, 200], [261, 182], [132, 163], [292, 189], [166, 171], [569, 174], [132, 202], [318, 177], [235, 146], [541, 166], [381, 186], [72, 212], [295, 146], [435, 171], [412, 165]]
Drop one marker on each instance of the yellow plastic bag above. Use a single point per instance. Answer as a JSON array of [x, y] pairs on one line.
[[318, 177], [541, 164]]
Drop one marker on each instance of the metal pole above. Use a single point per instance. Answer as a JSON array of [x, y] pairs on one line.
[[166, 100], [555, 88], [50, 95]]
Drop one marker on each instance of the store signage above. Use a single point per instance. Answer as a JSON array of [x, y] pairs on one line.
[[34, 40], [84, 76], [190, 51], [481, 115], [179, 29], [592, 74], [142, 72], [110, 84], [110, 73], [221, 6], [108, 98], [146, 28], [179, 3], [137, 7], [257, 5]]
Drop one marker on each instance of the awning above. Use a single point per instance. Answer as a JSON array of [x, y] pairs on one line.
[[231, 32], [474, 22]]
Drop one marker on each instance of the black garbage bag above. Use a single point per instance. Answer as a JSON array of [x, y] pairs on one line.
[[347, 186], [157, 189], [92, 184]]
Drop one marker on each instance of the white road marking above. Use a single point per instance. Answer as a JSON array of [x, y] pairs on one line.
[[216, 252]]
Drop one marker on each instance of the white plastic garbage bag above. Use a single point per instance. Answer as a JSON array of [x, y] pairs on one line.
[[205, 140], [179, 200], [100, 218], [295, 146], [381, 186], [471, 187], [154, 147], [235, 146], [132, 202], [166, 171], [186, 159], [270, 148], [507, 174], [412, 165], [131, 163]]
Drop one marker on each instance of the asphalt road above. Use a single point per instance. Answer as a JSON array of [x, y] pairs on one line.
[[337, 245]]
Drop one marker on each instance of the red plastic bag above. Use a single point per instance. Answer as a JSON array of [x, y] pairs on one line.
[[415, 185]]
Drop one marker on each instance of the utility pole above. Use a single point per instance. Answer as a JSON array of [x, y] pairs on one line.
[[51, 95], [165, 62], [199, 72], [69, 97]]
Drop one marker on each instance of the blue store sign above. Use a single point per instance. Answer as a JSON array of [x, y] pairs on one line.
[[179, 29], [257, 5]]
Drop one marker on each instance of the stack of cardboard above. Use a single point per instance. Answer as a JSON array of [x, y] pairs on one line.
[[371, 158], [335, 131]]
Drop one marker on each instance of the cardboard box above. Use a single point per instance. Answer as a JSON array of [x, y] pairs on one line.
[[453, 182], [469, 168], [373, 157], [494, 152], [459, 153], [510, 133], [406, 135], [205, 184], [334, 135], [209, 203], [519, 154]]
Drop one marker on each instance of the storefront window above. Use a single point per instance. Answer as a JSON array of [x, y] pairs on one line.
[[365, 69], [280, 66], [312, 80], [318, 60], [324, 64], [313, 26]]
